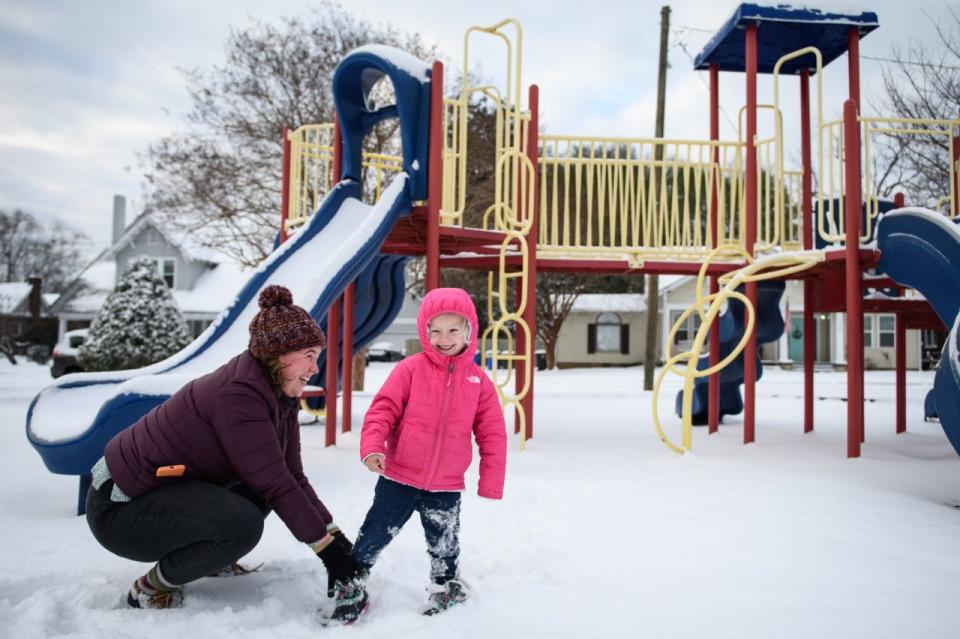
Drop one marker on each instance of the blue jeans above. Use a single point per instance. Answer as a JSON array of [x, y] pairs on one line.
[[393, 504]]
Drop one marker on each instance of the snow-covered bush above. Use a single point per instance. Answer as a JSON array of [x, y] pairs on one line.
[[138, 325]]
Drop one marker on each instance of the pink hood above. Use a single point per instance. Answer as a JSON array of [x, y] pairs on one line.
[[430, 407], [447, 300]]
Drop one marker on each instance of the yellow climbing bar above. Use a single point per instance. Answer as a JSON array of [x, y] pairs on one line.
[[775, 266]]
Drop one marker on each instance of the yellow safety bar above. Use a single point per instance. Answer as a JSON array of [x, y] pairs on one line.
[[791, 181], [311, 170], [775, 266], [513, 170]]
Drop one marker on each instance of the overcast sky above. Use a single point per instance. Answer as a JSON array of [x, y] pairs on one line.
[[87, 85]]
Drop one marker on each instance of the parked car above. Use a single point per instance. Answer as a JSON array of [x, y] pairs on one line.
[[65, 352], [383, 352]]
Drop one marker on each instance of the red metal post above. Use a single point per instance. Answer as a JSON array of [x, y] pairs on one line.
[[750, 236], [333, 315], [809, 223], [853, 64], [901, 351], [901, 337], [530, 312], [854, 280], [333, 357], [435, 176], [853, 74], [349, 296], [285, 186], [713, 385]]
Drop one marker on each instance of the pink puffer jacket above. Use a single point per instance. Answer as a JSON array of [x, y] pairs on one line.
[[422, 418]]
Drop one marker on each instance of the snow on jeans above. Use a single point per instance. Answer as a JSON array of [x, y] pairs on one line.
[[393, 504], [192, 528]]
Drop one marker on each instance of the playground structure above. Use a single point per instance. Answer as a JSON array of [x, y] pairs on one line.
[[727, 211], [630, 205]]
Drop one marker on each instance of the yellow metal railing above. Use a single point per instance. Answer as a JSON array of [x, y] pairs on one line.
[[311, 162], [830, 216], [311, 171], [610, 196], [873, 128]]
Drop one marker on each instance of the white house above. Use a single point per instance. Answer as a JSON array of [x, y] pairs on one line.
[[589, 336], [202, 281]]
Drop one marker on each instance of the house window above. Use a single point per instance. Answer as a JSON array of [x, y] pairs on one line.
[[608, 333], [166, 269], [887, 331], [868, 331], [688, 329]]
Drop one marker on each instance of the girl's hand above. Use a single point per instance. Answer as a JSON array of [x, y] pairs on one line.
[[376, 463]]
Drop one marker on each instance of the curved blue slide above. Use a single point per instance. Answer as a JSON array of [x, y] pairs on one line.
[[70, 422], [921, 249], [379, 295], [769, 328]]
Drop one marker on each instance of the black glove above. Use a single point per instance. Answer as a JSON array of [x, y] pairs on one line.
[[339, 562], [339, 539]]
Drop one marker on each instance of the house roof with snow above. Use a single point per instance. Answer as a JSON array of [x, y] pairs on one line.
[[13, 295], [212, 292], [609, 302], [184, 241]]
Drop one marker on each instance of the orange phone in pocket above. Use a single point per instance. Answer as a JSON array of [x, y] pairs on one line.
[[175, 470]]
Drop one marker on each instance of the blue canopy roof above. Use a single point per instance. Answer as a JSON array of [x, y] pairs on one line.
[[782, 29]]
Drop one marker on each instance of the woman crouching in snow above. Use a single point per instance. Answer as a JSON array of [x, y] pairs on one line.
[[189, 484]]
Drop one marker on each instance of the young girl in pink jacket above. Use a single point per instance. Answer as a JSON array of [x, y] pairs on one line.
[[417, 437]]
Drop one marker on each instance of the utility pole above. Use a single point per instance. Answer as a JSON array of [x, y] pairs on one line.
[[653, 280]]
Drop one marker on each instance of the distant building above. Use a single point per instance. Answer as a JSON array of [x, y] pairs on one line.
[[610, 330], [202, 281], [25, 314]]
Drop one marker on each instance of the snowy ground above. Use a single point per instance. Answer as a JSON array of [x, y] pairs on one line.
[[603, 531]]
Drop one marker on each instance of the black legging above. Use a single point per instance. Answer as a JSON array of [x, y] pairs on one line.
[[192, 528]]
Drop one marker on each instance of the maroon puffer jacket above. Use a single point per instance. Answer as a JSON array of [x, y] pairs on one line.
[[225, 427]]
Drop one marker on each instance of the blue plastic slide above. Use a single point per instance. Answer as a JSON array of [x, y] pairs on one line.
[[379, 295], [70, 422], [921, 249], [769, 328]]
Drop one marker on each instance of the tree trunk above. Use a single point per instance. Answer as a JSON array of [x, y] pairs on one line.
[[551, 349], [359, 369]]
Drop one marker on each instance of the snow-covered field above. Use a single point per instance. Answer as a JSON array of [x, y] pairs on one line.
[[603, 532]]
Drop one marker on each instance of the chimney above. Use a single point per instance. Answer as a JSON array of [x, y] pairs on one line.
[[35, 300], [119, 217]]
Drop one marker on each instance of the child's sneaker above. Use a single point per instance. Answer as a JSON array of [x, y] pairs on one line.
[[143, 596], [351, 601], [444, 596]]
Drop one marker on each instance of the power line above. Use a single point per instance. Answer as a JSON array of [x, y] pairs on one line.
[[912, 62], [726, 116]]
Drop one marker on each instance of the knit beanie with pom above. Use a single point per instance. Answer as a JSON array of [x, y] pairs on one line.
[[281, 327]]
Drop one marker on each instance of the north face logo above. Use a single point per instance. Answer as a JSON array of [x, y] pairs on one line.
[[474, 379]]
